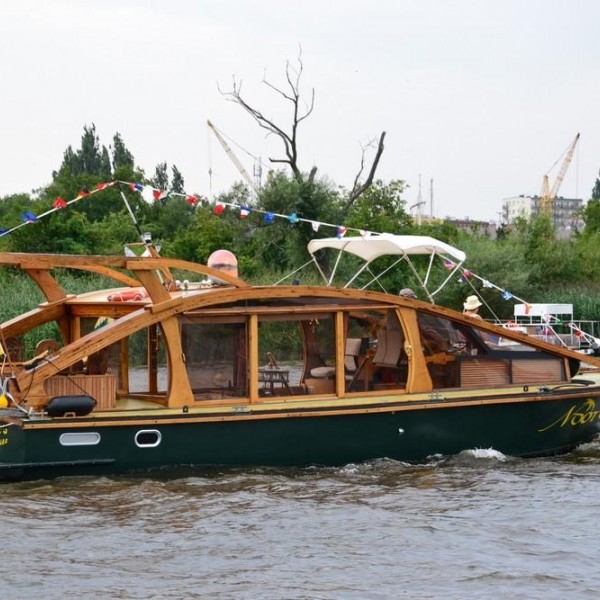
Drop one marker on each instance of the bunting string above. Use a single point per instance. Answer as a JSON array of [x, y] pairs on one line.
[[151, 194]]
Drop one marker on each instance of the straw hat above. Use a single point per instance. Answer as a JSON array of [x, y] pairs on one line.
[[471, 303]]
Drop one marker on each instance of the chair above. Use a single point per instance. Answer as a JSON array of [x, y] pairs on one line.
[[48, 346], [389, 347], [97, 363], [14, 349], [351, 354]]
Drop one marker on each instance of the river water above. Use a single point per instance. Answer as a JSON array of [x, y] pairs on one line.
[[478, 525]]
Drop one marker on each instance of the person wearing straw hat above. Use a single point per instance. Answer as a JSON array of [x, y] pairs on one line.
[[471, 306]]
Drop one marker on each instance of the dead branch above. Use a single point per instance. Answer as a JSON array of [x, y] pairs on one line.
[[292, 94], [358, 189]]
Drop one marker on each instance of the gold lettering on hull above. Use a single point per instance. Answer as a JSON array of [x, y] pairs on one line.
[[581, 414]]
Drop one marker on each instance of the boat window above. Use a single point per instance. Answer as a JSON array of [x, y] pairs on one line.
[[281, 357], [216, 358], [296, 355], [461, 355], [375, 358], [146, 357], [444, 342]]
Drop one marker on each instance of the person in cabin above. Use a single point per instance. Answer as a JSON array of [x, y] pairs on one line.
[[471, 307], [407, 293]]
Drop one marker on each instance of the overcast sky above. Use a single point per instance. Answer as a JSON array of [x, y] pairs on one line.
[[484, 97]]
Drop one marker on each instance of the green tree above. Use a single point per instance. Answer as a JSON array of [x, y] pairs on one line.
[[122, 157], [381, 208], [161, 177], [177, 181]]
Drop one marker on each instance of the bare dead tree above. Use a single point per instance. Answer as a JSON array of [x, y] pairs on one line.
[[300, 111]]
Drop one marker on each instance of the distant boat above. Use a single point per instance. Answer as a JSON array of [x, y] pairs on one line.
[[155, 374]]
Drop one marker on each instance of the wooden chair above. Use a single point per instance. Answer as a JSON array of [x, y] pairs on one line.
[[49, 346], [15, 349]]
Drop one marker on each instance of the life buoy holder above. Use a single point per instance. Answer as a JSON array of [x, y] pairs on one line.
[[129, 295]]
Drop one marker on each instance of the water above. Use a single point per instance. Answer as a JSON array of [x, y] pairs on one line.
[[478, 525]]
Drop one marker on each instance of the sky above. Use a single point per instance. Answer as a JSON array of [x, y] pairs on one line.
[[481, 97]]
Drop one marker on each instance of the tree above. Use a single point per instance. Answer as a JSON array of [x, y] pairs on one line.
[[380, 209], [121, 155], [161, 177], [301, 110], [90, 159], [177, 182]]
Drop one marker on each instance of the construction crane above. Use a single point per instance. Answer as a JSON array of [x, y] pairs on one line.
[[234, 158], [548, 194]]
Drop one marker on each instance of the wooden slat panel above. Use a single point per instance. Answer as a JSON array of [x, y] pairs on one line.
[[532, 370], [475, 372], [100, 387]]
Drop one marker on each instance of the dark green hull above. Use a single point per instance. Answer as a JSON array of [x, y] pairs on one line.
[[514, 428]]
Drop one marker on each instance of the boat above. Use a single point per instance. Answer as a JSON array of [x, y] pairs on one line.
[[179, 364]]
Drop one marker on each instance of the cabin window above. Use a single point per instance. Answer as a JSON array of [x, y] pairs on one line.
[[444, 342], [460, 355], [146, 357], [296, 355], [216, 357], [281, 357]]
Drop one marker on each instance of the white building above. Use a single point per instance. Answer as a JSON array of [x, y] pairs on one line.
[[567, 219]]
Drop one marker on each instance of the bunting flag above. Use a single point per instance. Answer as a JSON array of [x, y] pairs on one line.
[[218, 208], [341, 232], [192, 200], [269, 218], [293, 218], [159, 195], [28, 217], [448, 264], [147, 194], [136, 187], [506, 295], [60, 203], [244, 212], [315, 225]]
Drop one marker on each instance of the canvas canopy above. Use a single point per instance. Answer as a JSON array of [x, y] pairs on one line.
[[372, 247]]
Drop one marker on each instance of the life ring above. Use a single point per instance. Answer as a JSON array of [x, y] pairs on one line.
[[130, 295]]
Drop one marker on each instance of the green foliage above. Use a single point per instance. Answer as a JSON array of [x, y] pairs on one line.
[[177, 181], [161, 176], [381, 209], [122, 158], [591, 214], [527, 260]]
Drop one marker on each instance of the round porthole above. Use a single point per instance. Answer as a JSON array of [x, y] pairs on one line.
[[147, 438]]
